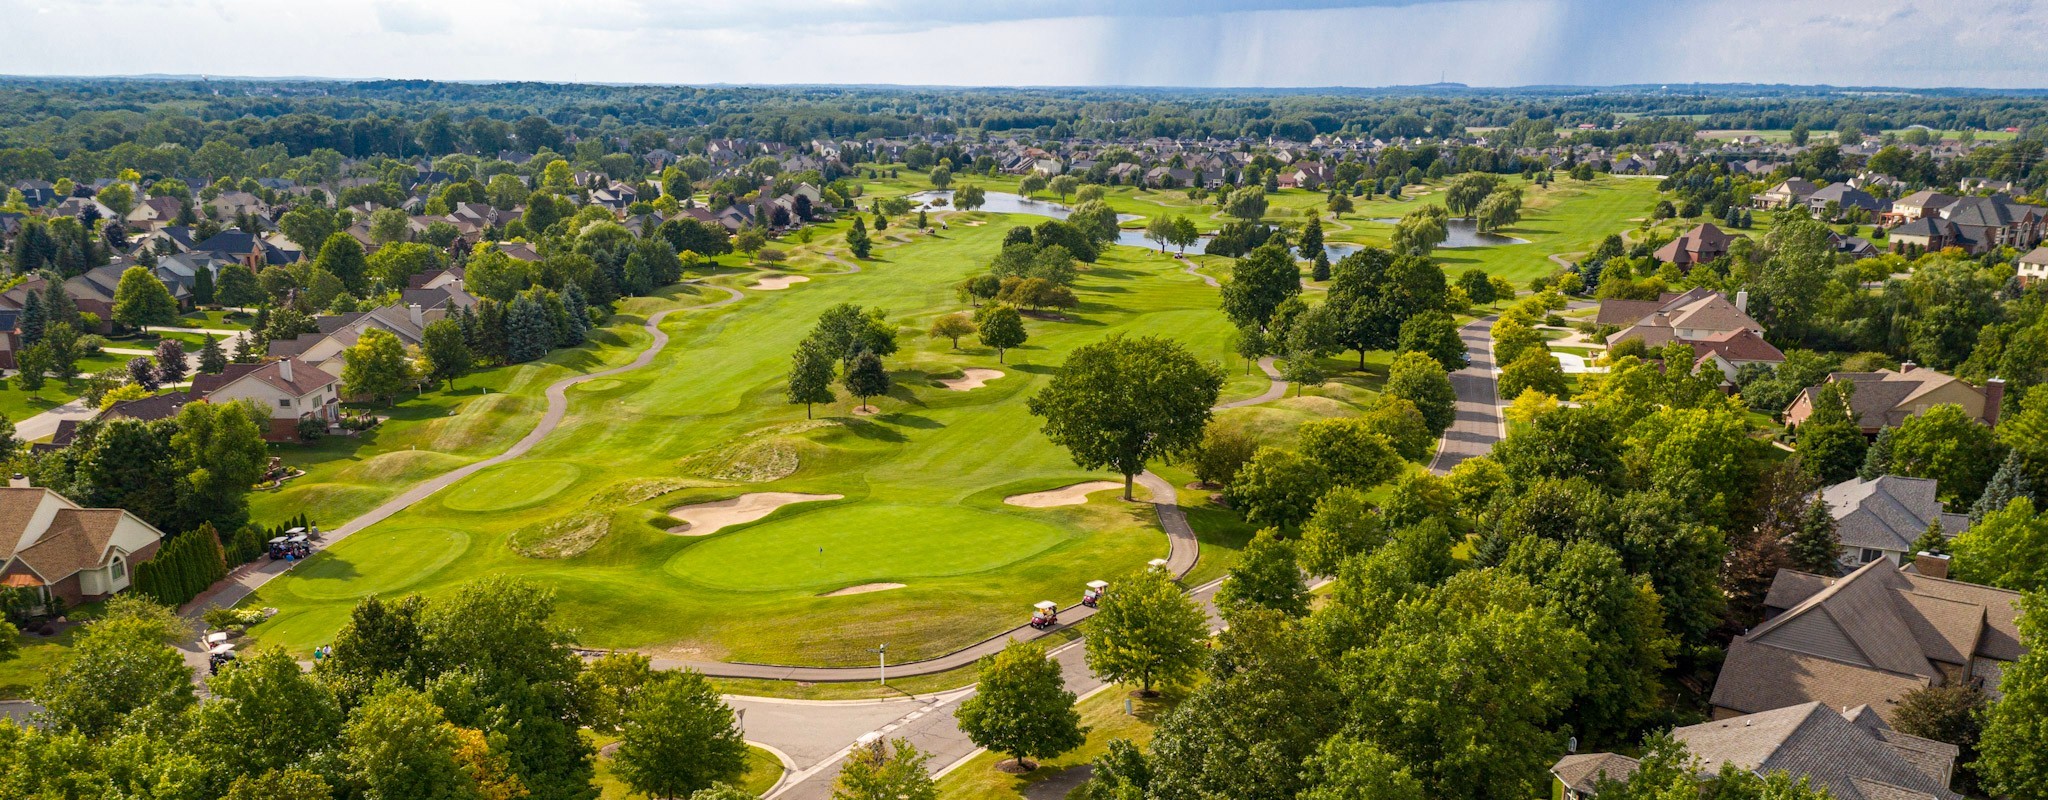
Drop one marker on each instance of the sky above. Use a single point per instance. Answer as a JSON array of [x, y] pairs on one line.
[[1200, 43]]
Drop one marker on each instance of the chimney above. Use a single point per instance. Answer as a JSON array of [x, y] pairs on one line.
[[284, 369], [1907, 366], [1931, 565], [412, 312], [1742, 300], [18, 481], [1994, 400]]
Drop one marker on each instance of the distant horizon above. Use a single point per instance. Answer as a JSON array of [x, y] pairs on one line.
[[1191, 44]]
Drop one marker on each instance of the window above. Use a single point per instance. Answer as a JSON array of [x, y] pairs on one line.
[[1870, 555], [119, 568], [284, 402]]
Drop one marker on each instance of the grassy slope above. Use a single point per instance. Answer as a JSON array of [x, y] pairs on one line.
[[923, 481], [1103, 715]]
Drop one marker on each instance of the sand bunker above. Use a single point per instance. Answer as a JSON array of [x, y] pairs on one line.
[[972, 379], [704, 519], [778, 282], [1068, 496], [863, 589]]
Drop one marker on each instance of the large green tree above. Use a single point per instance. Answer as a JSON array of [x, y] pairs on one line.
[[1267, 576], [2014, 746], [263, 714], [1279, 487], [1147, 632], [140, 299], [893, 770], [2008, 549], [376, 366], [810, 375], [1946, 444], [1123, 401], [1258, 284], [1021, 707], [678, 738]]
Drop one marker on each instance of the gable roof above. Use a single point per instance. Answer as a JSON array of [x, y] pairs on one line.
[[1888, 512], [306, 378], [1881, 397], [1863, 760], [1583, 772]]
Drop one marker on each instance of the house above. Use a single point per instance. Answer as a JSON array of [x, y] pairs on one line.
[[1720, 332], [292, 390], [1843, 198], [1867, 639], [1918, 205], [1988, 222], [1926, 234], [1881, 518], [67, 552], [1884, 399], [1851, 753], [247, 249], [2033, 266], [1785, 195], [228, 205], [1697, 246], [153, 213]]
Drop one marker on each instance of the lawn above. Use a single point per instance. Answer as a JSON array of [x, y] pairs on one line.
[[1103, 715], [923, 478], [764, 770], [17, 404]]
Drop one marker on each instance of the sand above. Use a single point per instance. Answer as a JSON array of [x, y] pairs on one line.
[[704, 519], [972, 379], [863, 589], [1067, 496], [778, 282]]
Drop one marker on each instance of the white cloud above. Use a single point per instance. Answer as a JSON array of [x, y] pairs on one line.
[[409, 18]]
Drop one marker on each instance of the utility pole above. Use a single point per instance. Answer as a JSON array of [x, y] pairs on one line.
[[882, 672]]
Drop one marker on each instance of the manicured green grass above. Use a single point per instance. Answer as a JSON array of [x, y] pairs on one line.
[[923, 477], [764, 770], [38, 658], [17, 404]]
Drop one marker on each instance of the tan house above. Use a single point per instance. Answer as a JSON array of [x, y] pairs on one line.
[[1700, 245], [292, 390], [1884, 399], [51, 545], [2033, 266], [1868, 638], [1720, 331], [1918, 205], [1785, 195]]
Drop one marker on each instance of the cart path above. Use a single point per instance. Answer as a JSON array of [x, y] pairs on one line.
[[1190, 269], [1275, 389], [1478, 424], [246, 579]]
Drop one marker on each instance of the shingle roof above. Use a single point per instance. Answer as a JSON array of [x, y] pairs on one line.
[[1853, 761], [1583, 773], [1888, 512], [76, 539]]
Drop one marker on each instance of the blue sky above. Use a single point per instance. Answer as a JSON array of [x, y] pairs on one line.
[[1996, 43]]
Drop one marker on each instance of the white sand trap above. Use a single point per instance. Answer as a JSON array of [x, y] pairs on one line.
[[972, 379], [863, 589], [1067, 496], [704, 519], [778, 282]]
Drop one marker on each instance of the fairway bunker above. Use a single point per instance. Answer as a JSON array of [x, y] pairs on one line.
[[778, 283], [1074, 495], [971, 379], [862, 589], [704, 519]]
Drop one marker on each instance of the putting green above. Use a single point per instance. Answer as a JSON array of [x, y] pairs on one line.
[[846, 545], [403, 559], [515, 485]]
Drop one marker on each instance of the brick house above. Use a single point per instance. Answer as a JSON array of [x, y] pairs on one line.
[[61, 550]]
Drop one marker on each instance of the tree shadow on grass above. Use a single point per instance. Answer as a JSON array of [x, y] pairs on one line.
[[868, 429], [1035, 369], [910, 420]]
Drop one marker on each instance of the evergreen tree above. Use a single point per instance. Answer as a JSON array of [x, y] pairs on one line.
[[1321, 270], [867, 378], [1933, 540], [2010, 483], [527, 330], [1311, 245], [578, 310], [857, 239], [810, 376], [1878, 459], [246, 349], [57, 306], [1815, 546], [32, 319], [202, 287], [212, 359]]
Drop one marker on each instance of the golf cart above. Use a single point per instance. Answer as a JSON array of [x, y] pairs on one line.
[[1046, 615], [219, 655], [1158, 564], [294, 546], [1094, 594]]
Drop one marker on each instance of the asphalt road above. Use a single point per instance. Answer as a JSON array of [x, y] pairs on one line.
[[1478, 425]]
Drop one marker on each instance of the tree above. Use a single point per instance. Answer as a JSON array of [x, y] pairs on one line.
[[1223, 451], [1311, 244], [121, 675], [891, 771], [1159, 231], [1421, 230], [291, 784], [1345, 768], [1278, 487], [1340, 204], [1401, 424], [445, 351], [952, 327], [1948, 445], [1500, 209], [170, 361], [342, 257], [678, 738], [1421, 379], [1032, 183], [1064, 185], [1258, 284], [1435, 334], [1146, 631], [33, 363], [398, 745], [220, 453], [1022, 708], [750, 241], [857, 239], [2008, 549], [1535, 369], [140, 299], [1831, 445], [1953, 713], [866, 378], [969, 198], [1267, 576], [1349, 452], [529, 333], [236, 287], [1246, 732], [376, 366], [1815, 547], [1248, 204], [810, 376], [264, 715], [1302, 366], [2011, 482], [2014, 747], [212, 359], [1121, 402]]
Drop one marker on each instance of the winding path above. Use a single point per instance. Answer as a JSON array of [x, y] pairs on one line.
[[1276, 389], [247, 579]]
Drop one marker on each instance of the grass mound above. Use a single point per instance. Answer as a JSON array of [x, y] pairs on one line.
[[566, 537], [769, 454]]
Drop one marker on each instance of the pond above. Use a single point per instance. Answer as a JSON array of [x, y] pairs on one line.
[[1465, 233], [1007, 203]]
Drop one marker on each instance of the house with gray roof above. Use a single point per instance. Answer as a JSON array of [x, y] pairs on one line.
[[1852, 753], [1880, 518], [1868, 638]]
